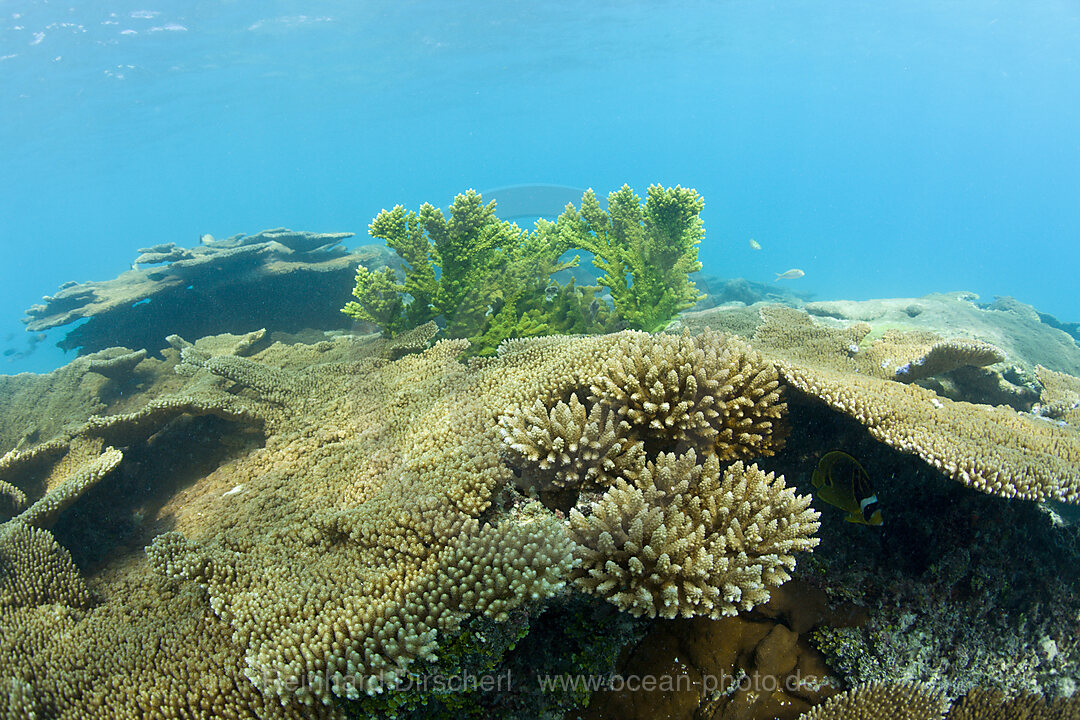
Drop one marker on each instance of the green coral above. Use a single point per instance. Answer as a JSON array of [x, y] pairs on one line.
[[486, 279], [646, 252]]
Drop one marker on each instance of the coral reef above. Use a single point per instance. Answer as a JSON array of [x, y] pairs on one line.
[[360, 532], [710, 392], [994, 449], [1060, 396], [917, 701], [570, 446], [305, 530], [301, 277]]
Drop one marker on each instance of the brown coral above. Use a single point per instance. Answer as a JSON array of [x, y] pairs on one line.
[[986, 704], [883, 701], [688, 539]]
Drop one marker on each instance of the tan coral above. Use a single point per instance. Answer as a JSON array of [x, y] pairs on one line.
[[987, 704], [690, 539], [710, 392], [36, 570], [571, 446], [13, 499], [883, 701], [353, 524], [993, 449], [946, 356], [793, 335], [1060, 396], [45, 511]]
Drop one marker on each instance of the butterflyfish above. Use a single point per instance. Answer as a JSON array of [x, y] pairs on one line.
[[841, 481], [754, 244], [791, 274]]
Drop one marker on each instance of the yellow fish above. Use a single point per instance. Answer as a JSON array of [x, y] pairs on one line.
[[754, 244], [841, 481], [790, 274]]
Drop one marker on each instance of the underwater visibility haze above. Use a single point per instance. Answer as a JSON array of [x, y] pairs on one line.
[[702, 360]]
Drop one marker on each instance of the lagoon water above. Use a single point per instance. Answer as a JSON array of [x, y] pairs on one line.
[[886, 149]]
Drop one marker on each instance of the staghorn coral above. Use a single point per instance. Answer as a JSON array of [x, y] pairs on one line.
[[882, 701], [710, 392], [572, 446], [689, 539], [487, 278]]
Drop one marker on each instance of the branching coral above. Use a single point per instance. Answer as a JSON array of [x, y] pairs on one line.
[[486, 278], [368, 516], [985, 704], [948, 355], [571, 446], [709, 391], [646, 251], [689, 539]]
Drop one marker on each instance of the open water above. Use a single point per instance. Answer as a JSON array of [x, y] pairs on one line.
[[885, 148]]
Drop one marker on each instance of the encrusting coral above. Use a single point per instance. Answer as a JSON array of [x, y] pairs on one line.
[[688, 539]]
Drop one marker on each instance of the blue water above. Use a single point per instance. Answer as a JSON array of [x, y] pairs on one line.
[[886, 148]]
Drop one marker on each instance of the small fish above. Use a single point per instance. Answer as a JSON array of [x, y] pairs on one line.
[[841, 481], [594, 307], [791, 274], [754, 244]]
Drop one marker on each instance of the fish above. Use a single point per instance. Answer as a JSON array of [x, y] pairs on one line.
[[791, 274], [841, 481], [754, 244]]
